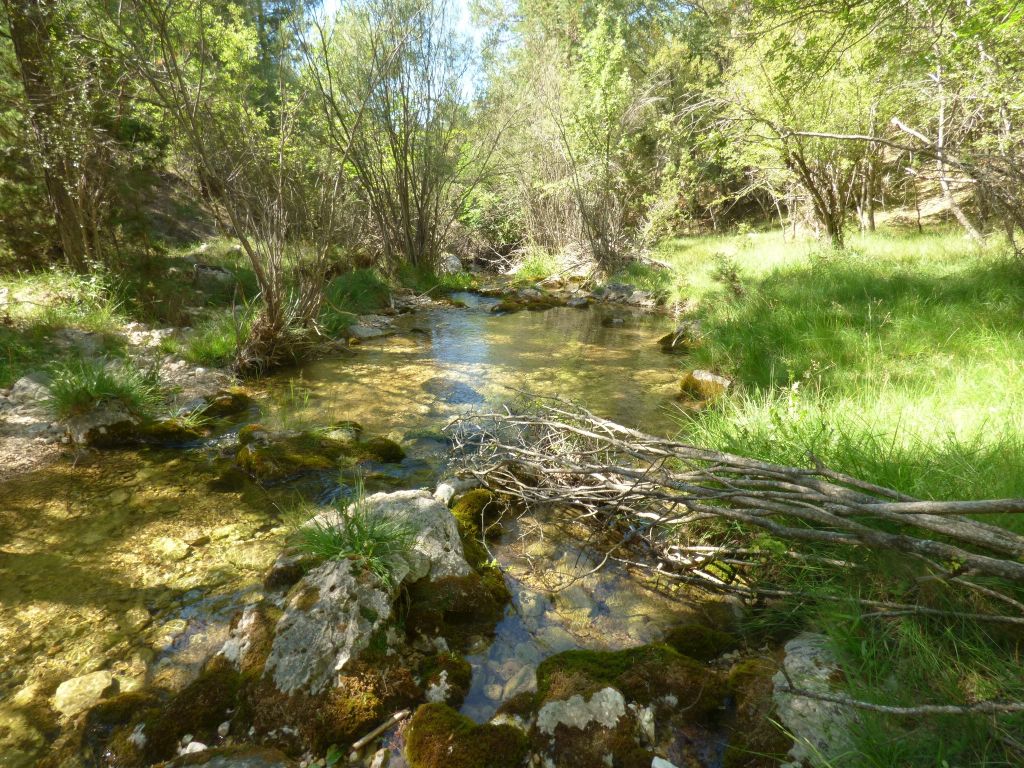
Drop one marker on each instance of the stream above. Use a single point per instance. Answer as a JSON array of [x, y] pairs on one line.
[[135, 561]]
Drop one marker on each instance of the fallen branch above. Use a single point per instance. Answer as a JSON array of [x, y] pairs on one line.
[[661, 496]]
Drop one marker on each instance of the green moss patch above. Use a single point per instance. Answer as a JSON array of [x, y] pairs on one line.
[[700, 642], [197, 709], [456, 608], [291, 455], [362, 699], [439, 737], [755, 740]]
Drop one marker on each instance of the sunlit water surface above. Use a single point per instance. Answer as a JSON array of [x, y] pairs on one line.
[[135, 561]]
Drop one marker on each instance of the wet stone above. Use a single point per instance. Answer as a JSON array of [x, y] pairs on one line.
[[79, 694]]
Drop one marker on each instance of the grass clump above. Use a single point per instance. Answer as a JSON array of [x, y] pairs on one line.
[[351, 294], [536, 264], [374, 542], [426, 280], [215, 342], [77, 386]]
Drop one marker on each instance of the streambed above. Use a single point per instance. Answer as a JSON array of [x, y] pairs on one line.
[[135, 561]]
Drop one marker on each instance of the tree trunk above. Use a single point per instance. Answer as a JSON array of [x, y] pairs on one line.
[[940, 165], [30, 23]]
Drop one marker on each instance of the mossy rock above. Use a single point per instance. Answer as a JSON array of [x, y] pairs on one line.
[[596, 747], [198, 709], [288, 456], [344, 430], [646, 675], [700, 642], [439, 737], [457, 608], [703, 385], [169, 432], [227, 402], [382, 449], [364, 696], [471, 510], [755, 740], [450, 669], [507, 307], [253, 433], [522, 705]]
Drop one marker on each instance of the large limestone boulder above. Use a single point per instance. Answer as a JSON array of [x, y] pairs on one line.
[[328, 621], [30, 390], [448, 263]]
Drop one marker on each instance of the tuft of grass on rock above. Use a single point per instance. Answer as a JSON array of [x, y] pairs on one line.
[[373, 542]]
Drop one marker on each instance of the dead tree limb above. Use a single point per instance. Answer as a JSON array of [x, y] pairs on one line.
[[661, 496]]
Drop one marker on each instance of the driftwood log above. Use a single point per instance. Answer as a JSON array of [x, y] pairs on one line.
[[694, 514]]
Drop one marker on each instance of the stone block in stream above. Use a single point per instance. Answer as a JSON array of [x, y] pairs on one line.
[[329, 619]]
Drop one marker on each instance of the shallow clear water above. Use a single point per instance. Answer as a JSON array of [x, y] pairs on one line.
[[134, 562]]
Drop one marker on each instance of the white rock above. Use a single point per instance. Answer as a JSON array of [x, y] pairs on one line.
[[820, 729], [29, 389], [448, 263], [328, 621], [193, 747], [80, 693], [449, 487], [660, 762], [604, 708], [224, 729], [438, 693]]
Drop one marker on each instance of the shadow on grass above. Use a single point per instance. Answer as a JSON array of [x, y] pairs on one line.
[[848, 320]]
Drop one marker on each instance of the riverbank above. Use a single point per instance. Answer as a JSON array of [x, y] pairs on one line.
[[892, 363]]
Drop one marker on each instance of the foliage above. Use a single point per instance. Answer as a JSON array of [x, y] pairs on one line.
[[77, 386], [216, 341]]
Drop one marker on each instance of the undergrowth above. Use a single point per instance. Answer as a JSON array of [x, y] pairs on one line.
[[897, 361], [77, 386]]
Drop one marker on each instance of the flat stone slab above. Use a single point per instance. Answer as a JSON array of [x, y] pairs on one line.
[[81, 693]]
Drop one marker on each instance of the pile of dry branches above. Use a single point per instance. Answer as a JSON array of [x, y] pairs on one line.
[[661, 498]]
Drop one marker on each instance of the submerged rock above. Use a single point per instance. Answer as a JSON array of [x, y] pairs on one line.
[[272, 457], [79, 694]]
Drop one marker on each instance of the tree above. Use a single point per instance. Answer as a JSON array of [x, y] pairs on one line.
[[389, 75], [57, 98]]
